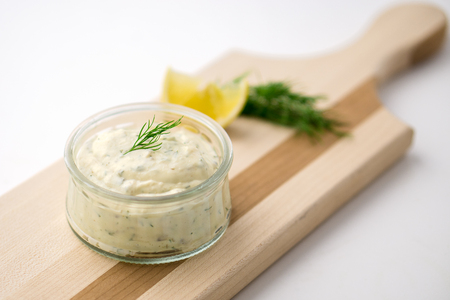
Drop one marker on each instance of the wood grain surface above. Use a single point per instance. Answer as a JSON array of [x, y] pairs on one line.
[[282, 185]]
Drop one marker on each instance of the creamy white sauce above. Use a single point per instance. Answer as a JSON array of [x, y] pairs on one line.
[[144, 229], [183, 161]]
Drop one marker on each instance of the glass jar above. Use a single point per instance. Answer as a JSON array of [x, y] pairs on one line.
[[149, 229]]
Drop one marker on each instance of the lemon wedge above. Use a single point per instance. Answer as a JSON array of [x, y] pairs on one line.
[[222, 103]]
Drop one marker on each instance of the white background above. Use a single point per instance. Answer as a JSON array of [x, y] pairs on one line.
[[61, 62]]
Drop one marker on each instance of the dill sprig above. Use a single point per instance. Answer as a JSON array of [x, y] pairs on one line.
[[148, 138], [276, 102]]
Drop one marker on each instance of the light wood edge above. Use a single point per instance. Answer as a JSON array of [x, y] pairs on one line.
[[42, 244], [55, 282], [270, 229]]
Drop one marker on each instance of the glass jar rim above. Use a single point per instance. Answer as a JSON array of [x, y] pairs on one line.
[[197, 116]]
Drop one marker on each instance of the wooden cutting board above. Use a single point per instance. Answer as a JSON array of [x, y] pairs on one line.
[[282, 186]]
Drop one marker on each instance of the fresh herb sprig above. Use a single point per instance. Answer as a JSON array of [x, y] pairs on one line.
[[276, 102], [148, 138]]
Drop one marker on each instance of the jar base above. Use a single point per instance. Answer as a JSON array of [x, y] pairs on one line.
[[148, 260]]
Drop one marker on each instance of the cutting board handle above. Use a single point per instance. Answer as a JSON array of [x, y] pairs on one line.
[[397, 39], [401, 36]]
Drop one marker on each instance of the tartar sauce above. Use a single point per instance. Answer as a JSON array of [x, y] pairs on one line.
[[135, 229], [183, 161]]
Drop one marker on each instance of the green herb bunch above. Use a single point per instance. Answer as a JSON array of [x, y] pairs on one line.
[[148, 138], [276, 102]]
